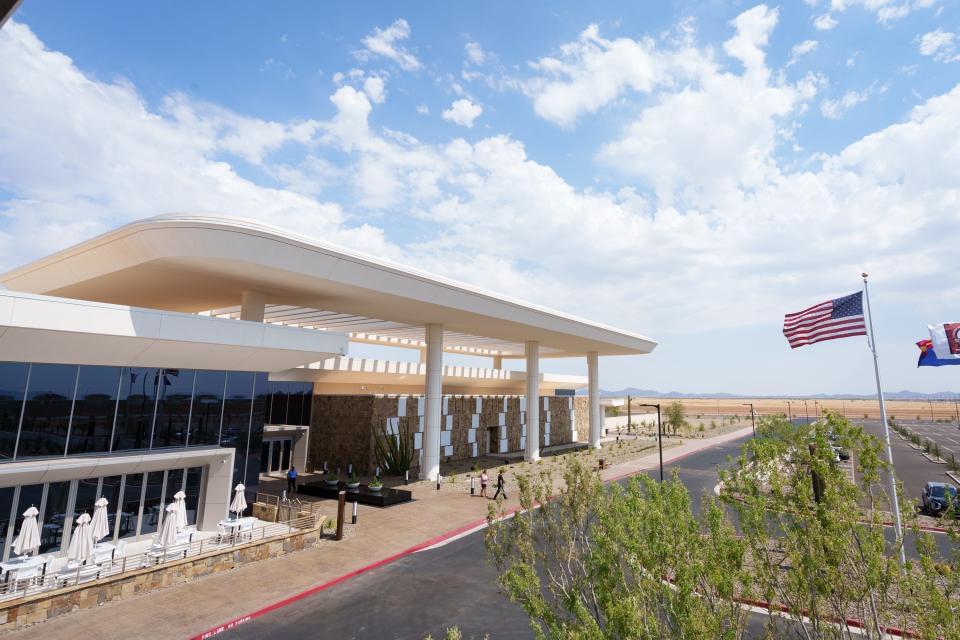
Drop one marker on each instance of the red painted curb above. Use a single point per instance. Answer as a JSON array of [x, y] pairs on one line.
[[220, 628]]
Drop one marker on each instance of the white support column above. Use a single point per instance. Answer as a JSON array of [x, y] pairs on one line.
[[434, 403], [252, 306], [593, 395], [532, 449], [498, 362]]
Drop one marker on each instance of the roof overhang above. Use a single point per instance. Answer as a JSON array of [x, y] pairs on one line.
[[56, 330], [198, 264], [384, 372]]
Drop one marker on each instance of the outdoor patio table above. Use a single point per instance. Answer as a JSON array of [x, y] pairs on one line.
[[25, 567]]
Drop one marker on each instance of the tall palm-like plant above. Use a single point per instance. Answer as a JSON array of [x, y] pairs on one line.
[[394, 451]]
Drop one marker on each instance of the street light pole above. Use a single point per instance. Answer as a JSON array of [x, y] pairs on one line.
[[659, 435], [789, 412], [806, 411], [753, 422]]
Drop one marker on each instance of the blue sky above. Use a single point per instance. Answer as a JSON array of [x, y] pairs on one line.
[[690, 171]]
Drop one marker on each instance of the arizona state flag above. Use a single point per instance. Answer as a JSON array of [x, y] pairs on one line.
[[928, 357]]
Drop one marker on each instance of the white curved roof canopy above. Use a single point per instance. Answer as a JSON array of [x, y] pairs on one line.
[[203, 264]]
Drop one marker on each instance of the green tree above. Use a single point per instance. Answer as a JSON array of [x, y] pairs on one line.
[[675, 416], [620, 562]]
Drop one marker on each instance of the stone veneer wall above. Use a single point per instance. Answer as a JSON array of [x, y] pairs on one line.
[[88, 595], [342, 426]]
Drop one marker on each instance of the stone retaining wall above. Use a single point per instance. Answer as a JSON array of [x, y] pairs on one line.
[[50, 604]]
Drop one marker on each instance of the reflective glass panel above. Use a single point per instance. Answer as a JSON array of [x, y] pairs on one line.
[[307, 404], [6, 502], [236, 419], [93, 409], [30, 496], [278, 403], [111, 491], [295, 405], [46, 414], [132, 486], [173, 408], [207, 408], [86, 496], [13, 384], [194, 476], [151, 503], [257, 416], [135, 410], [51, 533]]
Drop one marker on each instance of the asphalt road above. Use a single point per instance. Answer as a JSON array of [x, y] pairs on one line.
[[427, 592]]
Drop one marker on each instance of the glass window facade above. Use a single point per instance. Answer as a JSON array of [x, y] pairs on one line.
[[13, 385], [46, 413], [54, 410], [289, 403], [60, 503], [175, 394], [94, 408]]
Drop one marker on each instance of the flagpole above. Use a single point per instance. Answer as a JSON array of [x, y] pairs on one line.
[[886, 427]]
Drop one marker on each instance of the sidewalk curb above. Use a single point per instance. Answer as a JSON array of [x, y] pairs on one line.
[[436, 540]]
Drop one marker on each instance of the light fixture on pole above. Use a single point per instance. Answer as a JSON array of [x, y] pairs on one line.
[[789, 413], [659, 435]]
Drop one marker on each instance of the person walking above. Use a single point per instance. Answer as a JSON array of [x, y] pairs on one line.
[[292, 480], [501, 486], [484, 479]]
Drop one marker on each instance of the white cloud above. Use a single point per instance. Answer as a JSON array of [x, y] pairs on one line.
[[801, 49], [375, 89], [941, 45], [701, 140], [423, 109], [475, 53], [81, 155], [884, 10], [825, 22], [589, 73], [462, 112], [385, 43], [834, 109]]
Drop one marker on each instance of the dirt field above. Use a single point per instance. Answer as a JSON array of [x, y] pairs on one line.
[[898, 409]]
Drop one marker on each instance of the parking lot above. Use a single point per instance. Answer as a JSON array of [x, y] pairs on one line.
[[913, 469]]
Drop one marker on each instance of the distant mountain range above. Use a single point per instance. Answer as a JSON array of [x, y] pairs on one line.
[[890, 395]]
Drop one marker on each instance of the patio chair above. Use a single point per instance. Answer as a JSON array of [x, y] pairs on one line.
[[74, 573]]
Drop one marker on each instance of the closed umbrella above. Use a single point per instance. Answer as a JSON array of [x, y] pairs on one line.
[[99, 528], [29, 539], [179, 499], [81, 542], [239, 504], [168, 530]]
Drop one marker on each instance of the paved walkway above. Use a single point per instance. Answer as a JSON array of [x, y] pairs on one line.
[[188, 609]]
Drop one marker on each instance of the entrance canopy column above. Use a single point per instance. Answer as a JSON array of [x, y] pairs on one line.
[[593, 398], [532, 449], [434, 404]]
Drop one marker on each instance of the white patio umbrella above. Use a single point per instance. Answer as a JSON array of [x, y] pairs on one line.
[[81, 542], [168, 530], [28, 541], [179, 499], [99, 527], [239, 504]]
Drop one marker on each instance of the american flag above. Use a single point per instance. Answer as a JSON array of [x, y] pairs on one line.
[[840, 318]]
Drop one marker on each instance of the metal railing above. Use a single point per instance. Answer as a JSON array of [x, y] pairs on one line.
[[12, 587]]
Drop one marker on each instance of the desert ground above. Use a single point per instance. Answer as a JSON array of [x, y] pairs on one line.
[[859, 409]]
